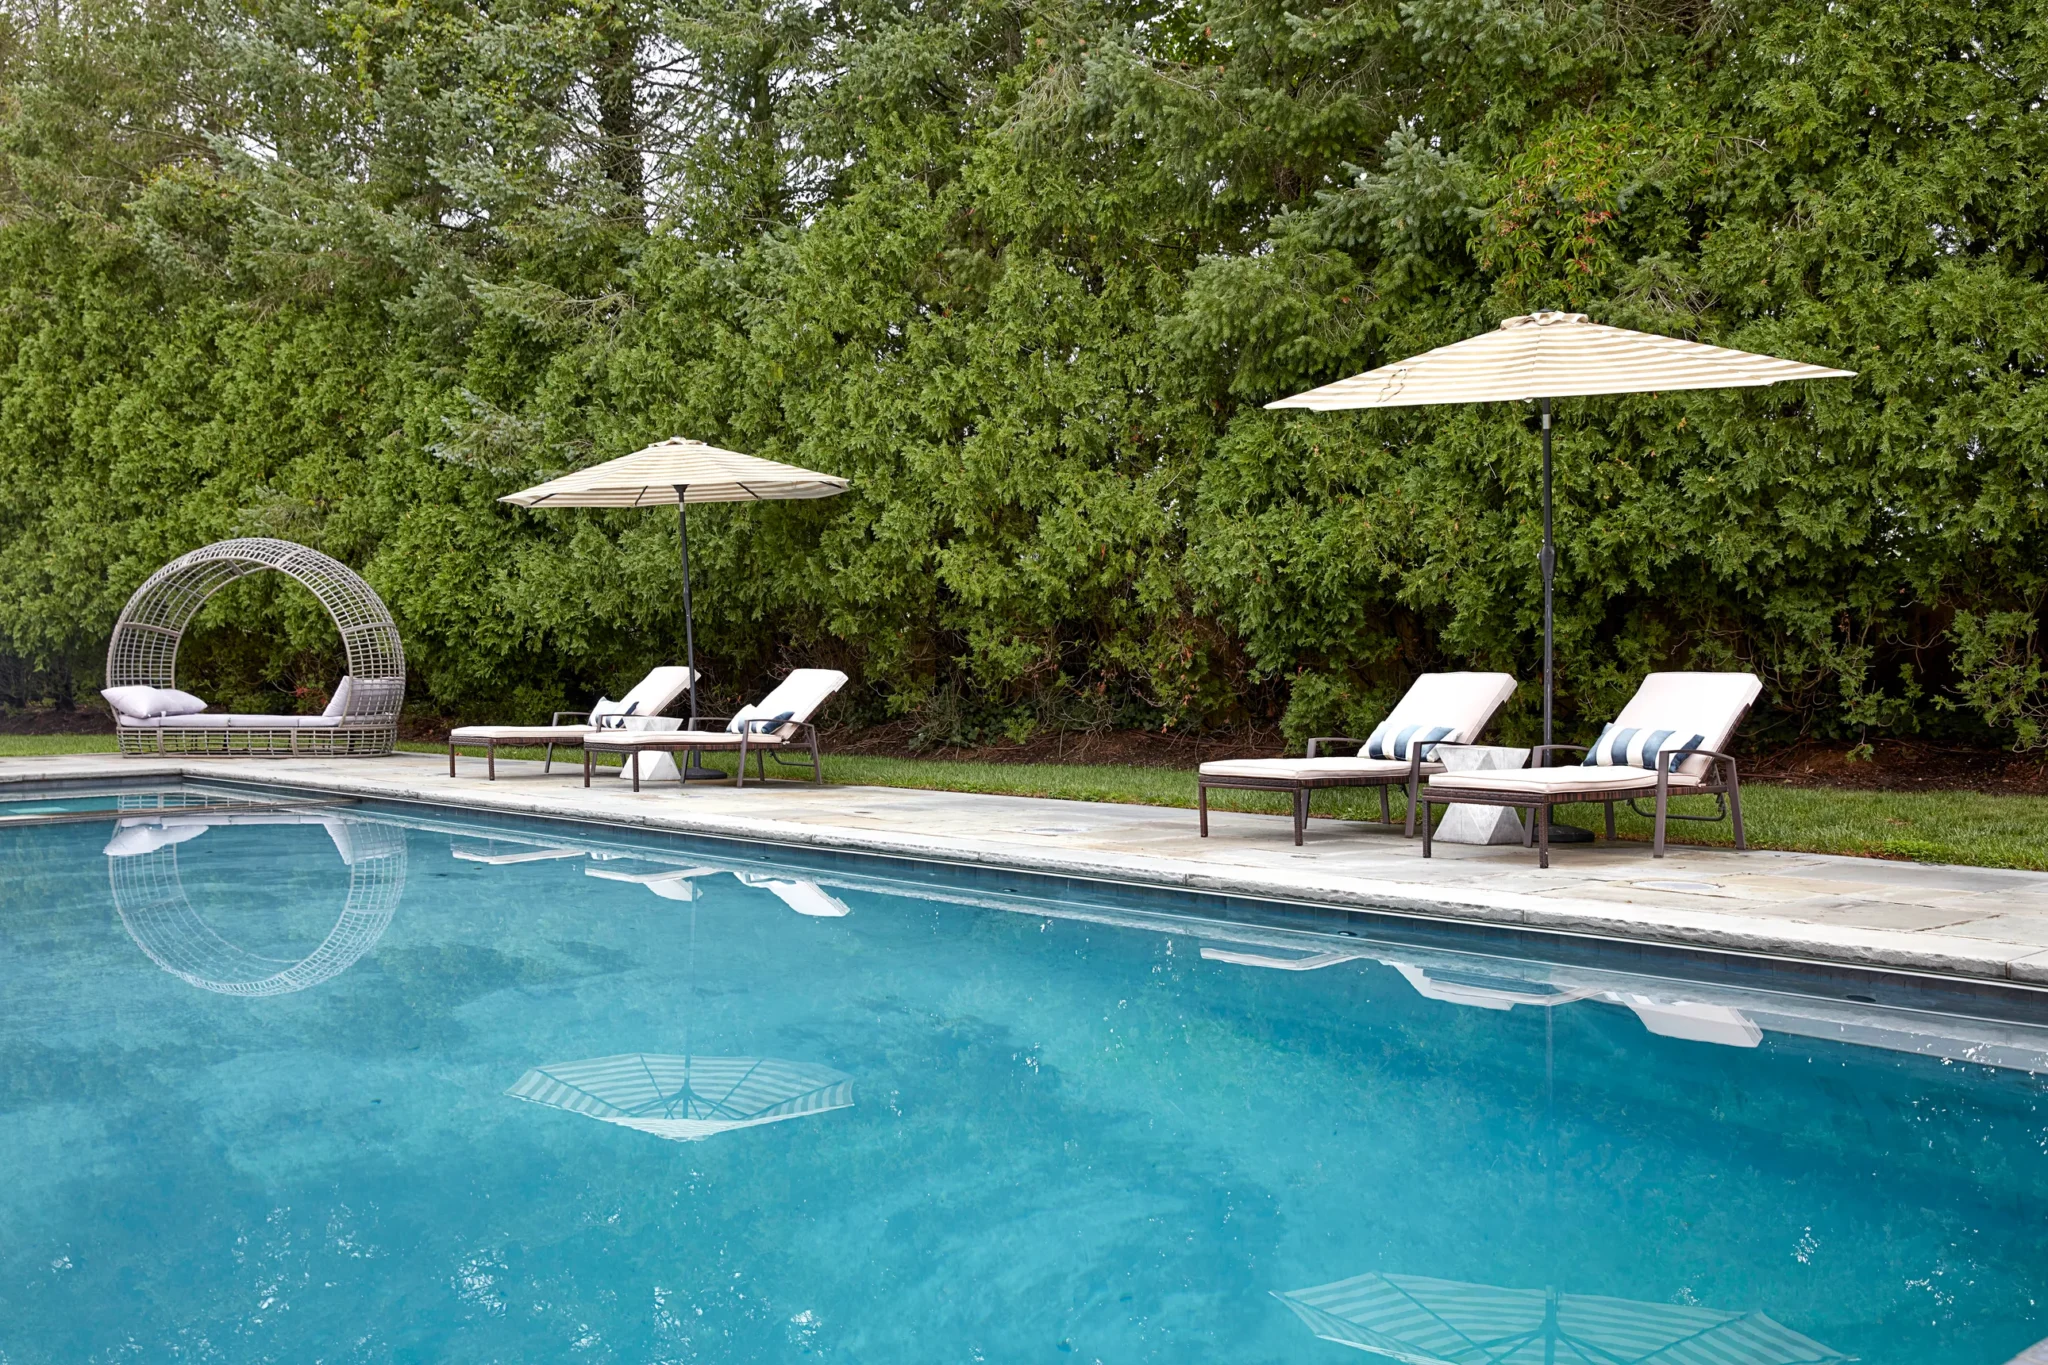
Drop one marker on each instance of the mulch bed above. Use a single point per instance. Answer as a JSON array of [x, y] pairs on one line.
[[1893, 765]]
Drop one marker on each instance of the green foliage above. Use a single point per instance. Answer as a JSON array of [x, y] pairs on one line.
[[348, 272]]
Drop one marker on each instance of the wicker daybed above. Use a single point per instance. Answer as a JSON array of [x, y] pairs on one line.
[[363, 720]]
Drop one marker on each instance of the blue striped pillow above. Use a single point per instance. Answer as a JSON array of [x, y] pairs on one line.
[[1387, 742], [1637, 748]]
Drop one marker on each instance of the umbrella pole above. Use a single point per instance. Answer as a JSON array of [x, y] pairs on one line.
[[1559, 833], [691, 766], [1549, 563], [690, 629]]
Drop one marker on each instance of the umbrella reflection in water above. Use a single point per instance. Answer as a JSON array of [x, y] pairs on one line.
[[1443, 1322], [686, 1099]]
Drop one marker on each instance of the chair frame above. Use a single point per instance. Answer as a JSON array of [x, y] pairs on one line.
[[1301, 788], [1721, 779], [689, 741], [144, 649]]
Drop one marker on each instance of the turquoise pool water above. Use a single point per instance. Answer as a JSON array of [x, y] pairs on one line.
[[343, 1086]]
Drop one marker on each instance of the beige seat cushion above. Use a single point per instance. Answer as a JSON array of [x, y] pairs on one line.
[[513, 734], [668, 739], [1575, 777], [1289, 769]]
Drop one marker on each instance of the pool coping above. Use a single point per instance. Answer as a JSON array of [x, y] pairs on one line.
[[2021, 967]]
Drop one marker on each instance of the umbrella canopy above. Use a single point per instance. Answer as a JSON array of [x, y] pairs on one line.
[[675, 473], [678, 470], [1553, 355], [686, 1099], [1443, 1322], [1550, 355]]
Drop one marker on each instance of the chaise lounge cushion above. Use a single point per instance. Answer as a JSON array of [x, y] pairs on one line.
[[1707, 704], [516, 734], [1299, 769], [669, 739], [1576, 777], [1461, 703]]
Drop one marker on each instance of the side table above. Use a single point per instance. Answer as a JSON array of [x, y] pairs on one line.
[[1479, 824]]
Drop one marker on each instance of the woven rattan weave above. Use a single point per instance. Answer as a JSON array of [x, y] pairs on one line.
[[145, 650]]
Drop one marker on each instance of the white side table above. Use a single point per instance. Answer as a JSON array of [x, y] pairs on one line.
[[1479, 824], [652, 766]]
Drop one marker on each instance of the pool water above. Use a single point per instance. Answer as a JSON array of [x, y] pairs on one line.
[[361, 1086]]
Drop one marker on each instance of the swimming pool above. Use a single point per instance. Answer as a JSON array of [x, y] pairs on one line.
[[381, 1084]]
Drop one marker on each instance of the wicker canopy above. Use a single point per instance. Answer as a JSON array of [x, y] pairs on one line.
[[144, 650]]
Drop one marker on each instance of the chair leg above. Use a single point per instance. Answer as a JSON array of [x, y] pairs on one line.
[[1425, 825], [1300, 813], [1657, 838], [1386, 815], [817, 763], [1202, 806], [635, 761], [1409, 829], [451, 758], [1610, 819], [586, 767], [1543, 835], [491, 760], [739, 774]]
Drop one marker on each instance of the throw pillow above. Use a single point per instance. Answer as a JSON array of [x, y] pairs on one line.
[[1638, 747], [139, 701], [1391, 743]]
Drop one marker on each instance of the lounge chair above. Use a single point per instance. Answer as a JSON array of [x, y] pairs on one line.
[[649, 697], [780, 720], [1668, 739], [1440, 708]]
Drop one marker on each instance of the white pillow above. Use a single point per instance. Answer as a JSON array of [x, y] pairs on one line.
[[741, 717], [338, 703], [143, 702]]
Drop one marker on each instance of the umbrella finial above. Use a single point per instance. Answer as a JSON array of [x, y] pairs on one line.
[[1543, 317]]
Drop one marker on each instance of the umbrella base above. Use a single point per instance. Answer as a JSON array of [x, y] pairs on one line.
[[1565, 834], [697, 772]]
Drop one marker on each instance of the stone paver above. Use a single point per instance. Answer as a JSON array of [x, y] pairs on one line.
[[1961, 921]]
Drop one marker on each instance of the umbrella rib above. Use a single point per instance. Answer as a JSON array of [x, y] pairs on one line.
[[1689, 1337], [722, 1103], [571, 1085], [1446, 1322]]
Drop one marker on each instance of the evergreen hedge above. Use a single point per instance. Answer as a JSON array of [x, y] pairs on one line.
[[345, 271]]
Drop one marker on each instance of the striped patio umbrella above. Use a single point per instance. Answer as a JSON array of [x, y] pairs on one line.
[[1443, 1322], [676, 473], [1553, 355], [686, 1099]]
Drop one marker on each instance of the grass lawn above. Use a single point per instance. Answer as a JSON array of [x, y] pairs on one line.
[[1934, 827]]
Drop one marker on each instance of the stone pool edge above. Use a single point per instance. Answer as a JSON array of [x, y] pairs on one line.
[[1719, 931]]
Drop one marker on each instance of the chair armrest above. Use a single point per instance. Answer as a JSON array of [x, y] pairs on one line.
[[559, 714], [1661, 769], [1332, 739], [1537, 754]]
